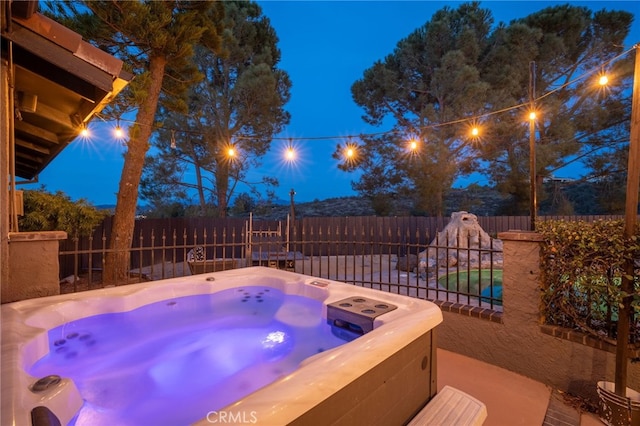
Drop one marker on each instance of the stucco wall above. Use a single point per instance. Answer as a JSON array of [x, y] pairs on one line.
[[33, 265], [518, 343]]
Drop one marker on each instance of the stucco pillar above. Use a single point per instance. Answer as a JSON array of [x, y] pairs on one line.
[[34, 266], [521, 277]]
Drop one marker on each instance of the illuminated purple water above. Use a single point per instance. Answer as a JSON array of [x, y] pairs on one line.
[[172, 362]]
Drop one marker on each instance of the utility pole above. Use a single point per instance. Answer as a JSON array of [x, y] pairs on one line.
[[630, 220], [291, 220], [293, 208], [533, 204]]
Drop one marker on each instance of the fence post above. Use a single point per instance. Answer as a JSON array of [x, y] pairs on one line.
[[521, 272], [34, 265]]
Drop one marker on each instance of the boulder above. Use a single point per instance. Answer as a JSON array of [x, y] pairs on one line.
[[462, 243], [407, 263]]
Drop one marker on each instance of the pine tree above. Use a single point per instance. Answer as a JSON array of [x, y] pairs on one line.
[[432, 77], [155, 39], [238, 105], [458, 67]]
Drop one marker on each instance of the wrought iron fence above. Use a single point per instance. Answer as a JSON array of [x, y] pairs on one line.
[[390, 255], [386, 253]]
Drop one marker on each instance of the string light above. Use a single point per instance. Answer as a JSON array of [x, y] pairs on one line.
[[474, 130], [117, 131], [230, 152], [350, 152], [603, 80], [290, 152]]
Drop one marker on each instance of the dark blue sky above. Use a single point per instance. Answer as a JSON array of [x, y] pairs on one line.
[[326, 46]]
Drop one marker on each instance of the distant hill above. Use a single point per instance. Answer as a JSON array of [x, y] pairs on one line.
[[343, 206], [111, 209], [481, 203], [580, 198]]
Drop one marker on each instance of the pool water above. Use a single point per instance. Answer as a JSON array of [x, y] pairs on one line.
[[172, 362]]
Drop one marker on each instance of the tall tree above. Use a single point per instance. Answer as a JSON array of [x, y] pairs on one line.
[[155, 39], [574, 119], [431, 78], [458, 69], [239, 105]]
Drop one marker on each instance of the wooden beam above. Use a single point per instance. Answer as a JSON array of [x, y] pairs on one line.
[[30, 158], [22, 127], [33, 147], [53, 114]]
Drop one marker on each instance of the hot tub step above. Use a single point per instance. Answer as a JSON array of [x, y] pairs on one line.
[[451, 407]]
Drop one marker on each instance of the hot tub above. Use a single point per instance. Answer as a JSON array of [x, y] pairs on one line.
[[383, 372]]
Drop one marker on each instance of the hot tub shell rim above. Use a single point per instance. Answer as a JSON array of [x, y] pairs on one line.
[[419, 316]]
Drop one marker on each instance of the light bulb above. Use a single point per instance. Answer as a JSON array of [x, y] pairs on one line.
[[290, 154], [603, 80]]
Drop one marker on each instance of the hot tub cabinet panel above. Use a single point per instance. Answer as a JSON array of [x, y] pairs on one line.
[[384, 376], [387, 394]]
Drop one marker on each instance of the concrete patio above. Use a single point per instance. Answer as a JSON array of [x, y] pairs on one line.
[[511, 399]]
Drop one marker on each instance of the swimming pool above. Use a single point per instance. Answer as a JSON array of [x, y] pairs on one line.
[[266, 327]]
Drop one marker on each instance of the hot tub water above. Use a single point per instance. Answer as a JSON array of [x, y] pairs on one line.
[[174, 361]]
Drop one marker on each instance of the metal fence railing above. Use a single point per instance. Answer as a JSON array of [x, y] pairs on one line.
[[399, 259], [184, 233], [394, 254]]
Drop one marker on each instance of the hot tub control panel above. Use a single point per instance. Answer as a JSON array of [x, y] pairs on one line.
[[356, 313]]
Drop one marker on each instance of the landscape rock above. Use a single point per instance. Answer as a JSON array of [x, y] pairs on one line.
[[462, 243], [407, 263]]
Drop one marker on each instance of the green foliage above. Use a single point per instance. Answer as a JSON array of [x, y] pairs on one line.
[[382, 204], [433, 76], [577, 120], [44, 211], [458, 65], [243, 203], [156, 42], [582, 265], [140, 32], [243, 92]]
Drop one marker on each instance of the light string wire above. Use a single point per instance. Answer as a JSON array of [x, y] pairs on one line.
[[471, 119]]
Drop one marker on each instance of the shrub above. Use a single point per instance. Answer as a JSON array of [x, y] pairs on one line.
[[582, 268], [44, 211]]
